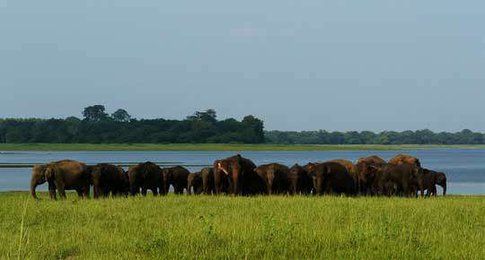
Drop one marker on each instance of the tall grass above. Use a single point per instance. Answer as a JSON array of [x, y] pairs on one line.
[[238, 227]]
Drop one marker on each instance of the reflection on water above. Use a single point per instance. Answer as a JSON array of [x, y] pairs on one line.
[[465, 168]]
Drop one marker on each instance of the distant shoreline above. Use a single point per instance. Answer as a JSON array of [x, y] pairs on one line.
[[220, 147]]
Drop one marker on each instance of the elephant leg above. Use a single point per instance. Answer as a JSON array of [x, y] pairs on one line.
[[154, 191], [178, 189], [143, 191], [79, 193], [106, 192], [428, 192], [292, 189], [52, 191], [53, 194], [421, 188], [85, 191], [61, 189], [217, 185], [96, 191]]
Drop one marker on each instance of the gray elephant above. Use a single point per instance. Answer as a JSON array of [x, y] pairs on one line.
[[61, 176], [177, 177], [275, 177], [107, 178], [431, 179], [145, 176], [207, 175], [194, 183]]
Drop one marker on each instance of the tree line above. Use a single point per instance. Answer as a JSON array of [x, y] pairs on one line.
[[366, 137], [97, 126]]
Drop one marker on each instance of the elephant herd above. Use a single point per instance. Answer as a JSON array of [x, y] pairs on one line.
[[403, 175]]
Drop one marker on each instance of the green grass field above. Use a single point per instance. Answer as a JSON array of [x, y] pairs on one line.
[[205, 227], [217, 147]]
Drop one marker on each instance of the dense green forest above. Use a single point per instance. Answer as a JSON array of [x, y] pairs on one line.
[[97, 126]]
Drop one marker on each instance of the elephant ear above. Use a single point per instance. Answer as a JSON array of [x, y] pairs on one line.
[[49, 172]]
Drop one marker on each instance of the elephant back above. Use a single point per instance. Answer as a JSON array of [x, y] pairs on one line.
[[351, 168], [405, 159]]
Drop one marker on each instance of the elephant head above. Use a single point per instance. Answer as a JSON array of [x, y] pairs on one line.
[[125, 181], [317, 176], [294, 177], [231, 167], [440, 179], [167, 177], [194, 181], [38, 178], [41, 174]]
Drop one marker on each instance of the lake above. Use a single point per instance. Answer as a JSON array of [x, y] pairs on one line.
[[465, 168]]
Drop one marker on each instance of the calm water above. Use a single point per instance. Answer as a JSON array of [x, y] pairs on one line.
[[465, 168]]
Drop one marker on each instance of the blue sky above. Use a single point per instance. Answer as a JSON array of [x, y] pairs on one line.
[[298, 65]]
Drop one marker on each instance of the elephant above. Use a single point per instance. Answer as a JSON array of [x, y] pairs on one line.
[[145, 176], [207, 175], [431, 179], [405, 159], [61, 175], [351, 169], [177, 177], [194, 180], [331, 178], [275, 176], [107, 178], [239, 173], [222, 181], [366, 170], [300, 182], [403, 179]]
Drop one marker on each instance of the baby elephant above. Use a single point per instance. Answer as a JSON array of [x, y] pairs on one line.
[[177, 177], [275, 177], [432, 178], [194, 181]]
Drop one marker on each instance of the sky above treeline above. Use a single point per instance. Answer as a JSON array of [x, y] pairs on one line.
[[298, 65]]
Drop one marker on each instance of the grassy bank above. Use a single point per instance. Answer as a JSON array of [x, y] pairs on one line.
[[217, 147], [227, 227]]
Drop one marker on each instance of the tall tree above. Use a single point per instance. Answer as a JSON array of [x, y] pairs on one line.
[[121, 115], [95, 113], [208, 116]]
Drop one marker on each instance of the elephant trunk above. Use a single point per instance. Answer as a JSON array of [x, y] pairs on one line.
[[33, 186], [189, 188], [318, 187], [270, 187], [444, 188], [235, 182], [166, 183]]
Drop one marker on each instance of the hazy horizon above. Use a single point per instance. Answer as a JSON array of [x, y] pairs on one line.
[[333, 65]]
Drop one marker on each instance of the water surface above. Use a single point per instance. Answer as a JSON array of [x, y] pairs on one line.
[[465, 168]]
